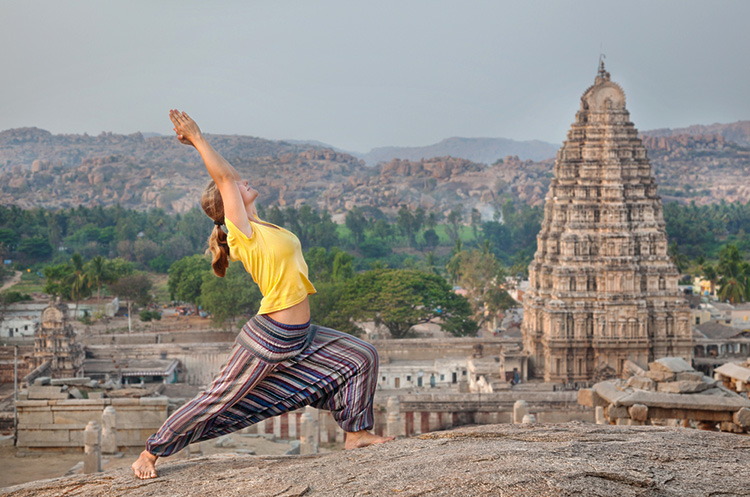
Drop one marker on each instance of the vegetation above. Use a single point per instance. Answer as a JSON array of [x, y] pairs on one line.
[[369, 268]]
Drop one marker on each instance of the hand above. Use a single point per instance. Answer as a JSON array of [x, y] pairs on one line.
[[187, 130]]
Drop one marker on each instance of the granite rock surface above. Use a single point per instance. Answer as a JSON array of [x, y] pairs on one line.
[[572, 459]]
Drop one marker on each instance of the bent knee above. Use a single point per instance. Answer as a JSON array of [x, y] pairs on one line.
[[368, 358]]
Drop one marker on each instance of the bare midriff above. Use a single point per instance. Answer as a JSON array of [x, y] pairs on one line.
[[297, 314]]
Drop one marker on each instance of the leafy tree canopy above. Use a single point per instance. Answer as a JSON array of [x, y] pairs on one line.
[[186, 278], [400, 299]]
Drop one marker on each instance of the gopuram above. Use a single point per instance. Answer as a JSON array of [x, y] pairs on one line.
[[56, 352], [602, 287]]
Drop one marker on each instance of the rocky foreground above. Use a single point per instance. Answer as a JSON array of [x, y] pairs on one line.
[[498, 460]]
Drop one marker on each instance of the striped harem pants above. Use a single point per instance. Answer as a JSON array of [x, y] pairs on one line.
[[276, 368]]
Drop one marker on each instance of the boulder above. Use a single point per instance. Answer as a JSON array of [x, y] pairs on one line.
[[660, 375], [683, 386], [689, 376], [742, 418], [670, 365], [642, 383]]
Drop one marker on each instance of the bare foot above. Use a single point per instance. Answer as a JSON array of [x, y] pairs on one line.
[[144, 466], [359, 439]]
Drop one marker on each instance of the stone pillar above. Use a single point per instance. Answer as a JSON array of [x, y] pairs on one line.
[[92, 455], [638, 414], [109, 430], [600, 419], [520, 409], [323, 427], [340, 435], [277, 427], [417, 416], [434, 421], [446, 420], [394, 417], [291, 420], [308, 441], [261, 427]]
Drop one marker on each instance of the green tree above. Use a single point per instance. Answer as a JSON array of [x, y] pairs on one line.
[[400, 299], [679, 259], [454, 223], [134, 287], [406, 223], [327, 307], [709, 273], [481, 275], [357, 223], [431, 239], [57, 280], [231, 296], [476, 222], [733, 275], [186, 278]]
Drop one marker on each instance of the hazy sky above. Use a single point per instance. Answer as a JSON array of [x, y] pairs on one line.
[[361, 74]]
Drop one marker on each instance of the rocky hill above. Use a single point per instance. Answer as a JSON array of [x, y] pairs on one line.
[[482, 150], [38, 169], [503, 460], [738, 132], [700, 168]]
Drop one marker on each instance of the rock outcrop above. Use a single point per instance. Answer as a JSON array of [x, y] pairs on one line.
[[508, 460]]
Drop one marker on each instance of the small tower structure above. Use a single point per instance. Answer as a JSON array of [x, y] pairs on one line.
[[54, 341], [602, 288]]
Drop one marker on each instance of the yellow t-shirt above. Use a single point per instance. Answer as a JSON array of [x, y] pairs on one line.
[[273, 257]]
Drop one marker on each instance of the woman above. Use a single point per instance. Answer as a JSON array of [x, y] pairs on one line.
[[279, 362]]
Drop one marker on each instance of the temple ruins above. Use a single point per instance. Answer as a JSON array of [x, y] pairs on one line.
[[56, 352], [602, 287]]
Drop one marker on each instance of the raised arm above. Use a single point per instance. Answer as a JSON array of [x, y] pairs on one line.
[[224, 175]]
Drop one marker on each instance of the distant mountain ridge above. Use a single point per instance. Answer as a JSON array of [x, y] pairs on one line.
[[39, 169], [481, 150], [738, 132]]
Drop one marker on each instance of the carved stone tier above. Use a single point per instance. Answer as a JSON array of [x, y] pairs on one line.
[[602, 287], [54, 340]]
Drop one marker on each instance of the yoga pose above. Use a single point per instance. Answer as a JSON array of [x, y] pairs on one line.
[[280, 361]]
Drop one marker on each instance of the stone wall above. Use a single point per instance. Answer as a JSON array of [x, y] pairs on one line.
[[421, 349], [59, 424], [200, 361], [433, 412]]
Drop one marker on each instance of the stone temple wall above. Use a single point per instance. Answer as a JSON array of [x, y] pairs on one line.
[[602, 287], [59, 424]]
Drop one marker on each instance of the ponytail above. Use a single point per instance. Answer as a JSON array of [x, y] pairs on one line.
[[217, 244]]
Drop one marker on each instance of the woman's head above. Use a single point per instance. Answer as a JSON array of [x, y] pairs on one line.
[[213, 206]]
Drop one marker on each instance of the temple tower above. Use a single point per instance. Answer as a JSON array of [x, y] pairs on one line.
[[602, 287], [55, 342]]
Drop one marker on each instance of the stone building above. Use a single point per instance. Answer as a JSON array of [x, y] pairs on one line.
[[55, 347], [602, 287]]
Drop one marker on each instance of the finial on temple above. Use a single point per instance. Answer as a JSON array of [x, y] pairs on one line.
[[603, 74]]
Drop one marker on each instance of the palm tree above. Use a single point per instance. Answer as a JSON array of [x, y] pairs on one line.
[[96, 270], [679, 259], [79, 280], [733, 275], [709, 272]]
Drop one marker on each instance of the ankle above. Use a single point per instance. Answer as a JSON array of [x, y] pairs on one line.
[[148, 455]]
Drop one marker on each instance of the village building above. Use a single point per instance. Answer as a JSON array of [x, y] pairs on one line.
[[717, 344], [602, 287]]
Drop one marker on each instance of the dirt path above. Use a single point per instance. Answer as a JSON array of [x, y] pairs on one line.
[[12, 281]]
